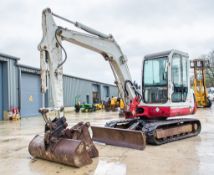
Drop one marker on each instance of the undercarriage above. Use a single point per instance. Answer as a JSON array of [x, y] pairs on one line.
[[156, 132]]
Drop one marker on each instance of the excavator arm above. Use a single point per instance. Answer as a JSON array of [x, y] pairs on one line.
[[51, 56], [52, 72]]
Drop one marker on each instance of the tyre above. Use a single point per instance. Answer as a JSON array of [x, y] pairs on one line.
[[209, 103], [77, 108]]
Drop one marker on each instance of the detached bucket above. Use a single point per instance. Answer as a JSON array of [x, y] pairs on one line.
[[65, 151], [119, 137]]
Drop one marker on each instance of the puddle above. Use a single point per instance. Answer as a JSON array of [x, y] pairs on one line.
[[110, 168]]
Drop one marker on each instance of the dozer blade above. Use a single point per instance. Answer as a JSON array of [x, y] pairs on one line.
[[119, 137], [65, 151]]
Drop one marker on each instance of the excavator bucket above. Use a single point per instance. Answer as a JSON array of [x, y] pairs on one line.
[[70, 146], [65, 151], [119, 137]]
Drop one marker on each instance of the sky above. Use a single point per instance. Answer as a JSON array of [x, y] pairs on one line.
[[140, 27]]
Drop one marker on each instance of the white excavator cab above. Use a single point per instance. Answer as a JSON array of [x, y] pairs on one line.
[[166, 85], [166, 77]]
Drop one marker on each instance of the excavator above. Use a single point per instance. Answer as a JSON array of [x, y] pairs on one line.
[[165, 95], [149, 111]]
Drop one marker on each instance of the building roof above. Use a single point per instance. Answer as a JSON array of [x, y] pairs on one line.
[[9, 56]]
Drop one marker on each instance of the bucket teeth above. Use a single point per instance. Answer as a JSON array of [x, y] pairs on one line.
[[80, 132]]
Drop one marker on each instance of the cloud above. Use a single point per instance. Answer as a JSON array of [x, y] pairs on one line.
[[139, 26]]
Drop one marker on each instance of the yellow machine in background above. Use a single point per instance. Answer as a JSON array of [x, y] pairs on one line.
[[114, 103], [199, 82], [99, 106]]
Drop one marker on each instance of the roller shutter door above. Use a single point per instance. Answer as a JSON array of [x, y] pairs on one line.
[[31, 98]]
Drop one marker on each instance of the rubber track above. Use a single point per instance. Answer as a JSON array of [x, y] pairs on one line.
[[149, 128]]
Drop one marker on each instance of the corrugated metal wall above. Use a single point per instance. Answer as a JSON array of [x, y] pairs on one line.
[[10, 81], [76, 88], [113, 91], [79, 89], [1, 93], [13, 83]]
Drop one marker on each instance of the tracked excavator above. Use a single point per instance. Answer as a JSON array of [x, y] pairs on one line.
[[165, 93]]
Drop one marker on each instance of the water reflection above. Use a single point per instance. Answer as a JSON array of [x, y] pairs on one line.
[[110, 168]]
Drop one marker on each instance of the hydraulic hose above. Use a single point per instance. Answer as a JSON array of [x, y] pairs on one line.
[[59, 65], [133, 87]]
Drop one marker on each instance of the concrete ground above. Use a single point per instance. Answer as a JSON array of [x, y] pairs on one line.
[[190, 156]]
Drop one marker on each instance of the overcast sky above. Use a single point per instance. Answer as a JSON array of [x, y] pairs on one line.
[[139, 26]]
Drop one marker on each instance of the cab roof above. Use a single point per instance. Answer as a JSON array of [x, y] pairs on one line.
[[165, 53]]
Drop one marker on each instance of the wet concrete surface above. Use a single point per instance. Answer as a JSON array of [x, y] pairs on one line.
[[190, 156]]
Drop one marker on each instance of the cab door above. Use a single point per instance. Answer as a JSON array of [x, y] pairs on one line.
[[179, 78]]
